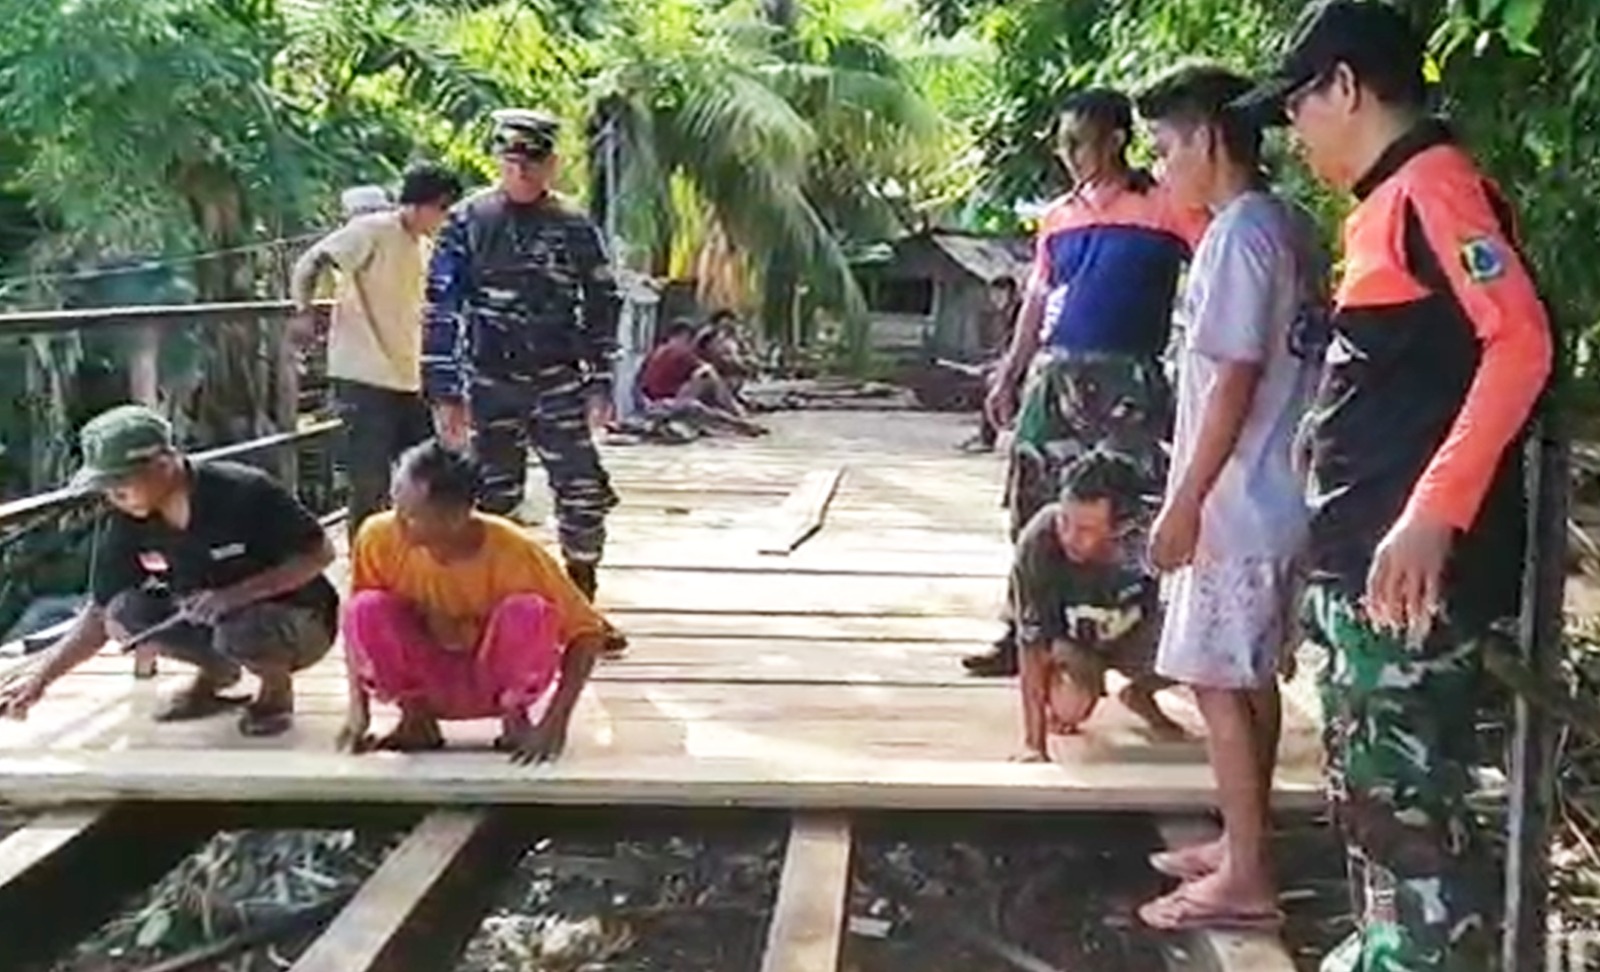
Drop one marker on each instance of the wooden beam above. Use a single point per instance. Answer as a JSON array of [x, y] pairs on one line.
[[25, 849], [802, 512], [783, 781], [1226, 951], [65, 874], [808, 922], [423, 903], [1532, 751]]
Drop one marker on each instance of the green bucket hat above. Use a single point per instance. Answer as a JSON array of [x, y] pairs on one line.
[[117, 442]]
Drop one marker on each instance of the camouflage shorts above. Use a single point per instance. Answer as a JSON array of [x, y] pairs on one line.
[[1073, 404], [268, 633]]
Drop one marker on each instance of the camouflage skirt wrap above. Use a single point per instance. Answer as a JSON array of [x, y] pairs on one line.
[[1400, 736], [1075, 403]]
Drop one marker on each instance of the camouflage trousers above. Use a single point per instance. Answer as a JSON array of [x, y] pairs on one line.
[[1400, 737], [548, 411], [1073, 404]]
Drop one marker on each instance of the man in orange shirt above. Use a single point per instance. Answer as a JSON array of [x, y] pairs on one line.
[[458, 614], [1440, 350]]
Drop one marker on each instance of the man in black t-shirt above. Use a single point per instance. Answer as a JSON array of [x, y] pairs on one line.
[[1081, 609], [213, 563]]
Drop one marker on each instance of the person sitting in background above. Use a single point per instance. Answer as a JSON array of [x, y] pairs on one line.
[[677, 383], [224, 559], [459, 614], [1081, 610], [719, 345]]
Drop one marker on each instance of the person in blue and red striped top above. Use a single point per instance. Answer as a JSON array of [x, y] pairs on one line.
[[1095, 318]]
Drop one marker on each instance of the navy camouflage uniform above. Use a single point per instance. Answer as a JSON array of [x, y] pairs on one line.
[[521, 324]]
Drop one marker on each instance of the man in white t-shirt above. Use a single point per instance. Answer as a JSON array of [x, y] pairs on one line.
[[1235, 516], [375, 341]]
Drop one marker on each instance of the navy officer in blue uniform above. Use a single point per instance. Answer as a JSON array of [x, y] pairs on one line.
[[519, 337]]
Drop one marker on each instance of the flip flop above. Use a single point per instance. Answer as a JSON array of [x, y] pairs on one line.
[[1184, 864], [259, 722], [1179, 911], [616, 645]]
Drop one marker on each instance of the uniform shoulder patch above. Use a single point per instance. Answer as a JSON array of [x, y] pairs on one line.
[[1483, 259]]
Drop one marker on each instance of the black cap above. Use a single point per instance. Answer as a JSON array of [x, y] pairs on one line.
[[1367, 35], [524, 134]]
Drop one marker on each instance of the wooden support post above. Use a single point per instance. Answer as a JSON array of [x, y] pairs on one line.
[[286, 397], [808, 922], [65, 874], [802, 511], [424, 902], [1225, 951], [1532, 755], [144, 386]]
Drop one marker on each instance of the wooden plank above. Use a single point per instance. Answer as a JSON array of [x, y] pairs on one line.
[[778, 780], [757, 594], [802, 513], [667, 660], [808, 921], [24, 849], [1228, 951], [66, 874], [420, 906]]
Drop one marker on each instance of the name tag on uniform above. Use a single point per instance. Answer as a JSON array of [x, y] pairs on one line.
[[227, 551]]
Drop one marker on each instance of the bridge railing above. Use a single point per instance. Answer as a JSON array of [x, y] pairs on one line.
[[234, 379]]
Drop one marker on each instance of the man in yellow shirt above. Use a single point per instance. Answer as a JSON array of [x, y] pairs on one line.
[[375, 341], [459, 614]]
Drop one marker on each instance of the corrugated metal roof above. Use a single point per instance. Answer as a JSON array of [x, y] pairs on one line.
[[986, 257]]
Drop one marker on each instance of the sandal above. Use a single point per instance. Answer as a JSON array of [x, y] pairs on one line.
[[259, 720], [198, 702], [1179, 911], [616, 645]]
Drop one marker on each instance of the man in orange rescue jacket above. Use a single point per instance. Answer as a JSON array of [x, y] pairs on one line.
[[1440, 351]]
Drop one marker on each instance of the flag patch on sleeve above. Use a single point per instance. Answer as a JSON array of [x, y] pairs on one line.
[[1483, 259]]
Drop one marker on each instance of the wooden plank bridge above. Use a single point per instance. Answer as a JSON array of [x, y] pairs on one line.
[[796, 606]]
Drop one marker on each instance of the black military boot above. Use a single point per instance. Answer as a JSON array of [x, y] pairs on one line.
[[999, 661], [586, 578]]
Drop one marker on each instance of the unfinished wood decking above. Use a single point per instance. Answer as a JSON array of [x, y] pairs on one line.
[[825, 677]]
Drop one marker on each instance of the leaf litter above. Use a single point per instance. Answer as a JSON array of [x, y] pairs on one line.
[[235, 883], [1048, 893], [664, 905]]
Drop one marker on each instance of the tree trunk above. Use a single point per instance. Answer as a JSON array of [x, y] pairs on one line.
[[144, 367], [779, 280], [235, 399]]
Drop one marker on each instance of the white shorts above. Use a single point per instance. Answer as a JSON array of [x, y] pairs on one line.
[[1228, 622]]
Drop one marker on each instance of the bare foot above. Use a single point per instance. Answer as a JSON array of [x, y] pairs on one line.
[[1142, 703], [1031, 756], [512, 728], [417, 732], [1193, 862]]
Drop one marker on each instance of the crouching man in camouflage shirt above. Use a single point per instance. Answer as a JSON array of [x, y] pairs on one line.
[[1081, 609], [519, 336]]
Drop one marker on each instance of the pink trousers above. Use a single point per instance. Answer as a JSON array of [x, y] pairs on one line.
[[388, 646]]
